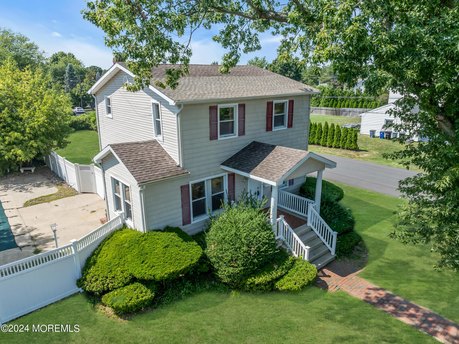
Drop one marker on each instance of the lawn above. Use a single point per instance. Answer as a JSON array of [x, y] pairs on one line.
[[312, 316], [405, 270], [370, 149], [83, 146]]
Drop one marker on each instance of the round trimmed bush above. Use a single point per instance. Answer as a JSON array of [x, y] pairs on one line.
[[346, 243], [128, 299], [338, 217], [300, 275], [274, 270], [330, 191], [128, 254], [239, 242]]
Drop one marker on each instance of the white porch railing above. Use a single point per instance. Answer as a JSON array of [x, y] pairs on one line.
[[294, 203], [284, 232], [320, 227]]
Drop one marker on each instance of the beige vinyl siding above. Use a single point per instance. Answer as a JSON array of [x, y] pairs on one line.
[[203, 157], [132, 118], [116, 170]]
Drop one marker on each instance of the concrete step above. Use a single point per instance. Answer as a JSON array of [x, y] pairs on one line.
[[302, 230], [313, 242], [323, 260], [317, 252]]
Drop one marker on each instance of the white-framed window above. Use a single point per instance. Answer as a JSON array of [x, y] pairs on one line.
[[156, 111], [227, 121], [108, 107], [122, 198], [280, 110], [207, 196]]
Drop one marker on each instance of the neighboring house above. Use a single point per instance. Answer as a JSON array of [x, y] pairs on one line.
[[171, 156], [378, 121]]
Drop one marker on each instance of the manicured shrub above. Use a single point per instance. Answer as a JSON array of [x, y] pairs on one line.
[[274, 270], [318, 136], [84, 122], [337, 138], [338, 217], [128, 299], [324, 137], [346, 243], [349, 135], [300, 275], [128, 254], [343, 139], [355, 137], [240, 241], [331, 135], [330, 191], [312, 132]]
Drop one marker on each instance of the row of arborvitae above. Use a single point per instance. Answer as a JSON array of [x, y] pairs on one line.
[[333, 136], [130, 270]]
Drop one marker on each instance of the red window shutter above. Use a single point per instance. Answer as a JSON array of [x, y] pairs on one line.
[[186, 207], [269, 116], [213, 122], [241, 120], [231, 187], [290, 113]]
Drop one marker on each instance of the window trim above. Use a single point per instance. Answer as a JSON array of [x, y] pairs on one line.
[[108, 106], [235, 119], [208, 195], [158, 137], [285, 114], [123, 200]]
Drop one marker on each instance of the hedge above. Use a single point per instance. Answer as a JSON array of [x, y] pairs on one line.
[[128, 299], [330, 191], [265, 279], [338, 217], [84, 122], [128, 254], [240, 241], [346, 243], [333, 136], [300, 275]]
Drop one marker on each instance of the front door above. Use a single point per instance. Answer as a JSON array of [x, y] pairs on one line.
[[255, 188]]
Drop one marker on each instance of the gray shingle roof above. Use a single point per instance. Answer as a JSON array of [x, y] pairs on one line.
[[265, 161], [147, 161]]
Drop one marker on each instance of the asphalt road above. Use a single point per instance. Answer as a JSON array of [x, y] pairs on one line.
[[366, 175]]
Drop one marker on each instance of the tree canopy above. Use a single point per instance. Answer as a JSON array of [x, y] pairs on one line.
[[18, 47], [408, 46]]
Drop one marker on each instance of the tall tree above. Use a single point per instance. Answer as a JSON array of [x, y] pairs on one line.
[[33, 116], [259, 62], [407, 46], [18, 47], [70, 78]]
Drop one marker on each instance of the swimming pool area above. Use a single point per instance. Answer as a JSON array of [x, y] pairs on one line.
[[6, 236]]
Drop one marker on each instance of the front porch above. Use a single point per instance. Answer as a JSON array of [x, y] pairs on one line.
[[273, 172]]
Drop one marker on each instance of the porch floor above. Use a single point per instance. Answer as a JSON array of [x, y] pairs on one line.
[[293, 220]]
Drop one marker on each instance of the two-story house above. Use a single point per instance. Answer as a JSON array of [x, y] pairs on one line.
[[171, 156]]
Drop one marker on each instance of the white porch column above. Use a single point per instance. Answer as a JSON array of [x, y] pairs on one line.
[[273, 210], [318, 190]]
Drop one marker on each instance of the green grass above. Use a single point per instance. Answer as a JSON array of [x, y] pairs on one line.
[[83, 146], [405, 270], [370, 149], [63, 191], [311, 316]]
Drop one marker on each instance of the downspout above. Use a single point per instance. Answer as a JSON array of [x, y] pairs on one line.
[[179, 137], [142, 206], [107, 211], [97, 121]]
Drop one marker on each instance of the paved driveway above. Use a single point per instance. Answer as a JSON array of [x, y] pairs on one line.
[[367, 175]]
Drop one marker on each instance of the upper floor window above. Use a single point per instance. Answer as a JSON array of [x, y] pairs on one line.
[[207, 196], [156, 119], [108, 107], [280, 114], [227, 121]]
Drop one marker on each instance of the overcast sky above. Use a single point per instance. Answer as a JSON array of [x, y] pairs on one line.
[[56, 25]]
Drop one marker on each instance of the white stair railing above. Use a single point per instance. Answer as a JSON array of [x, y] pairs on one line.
[[320, 227], [294, 203], [284, 232]]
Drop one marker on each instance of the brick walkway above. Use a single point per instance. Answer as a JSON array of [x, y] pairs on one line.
[[341, 276]]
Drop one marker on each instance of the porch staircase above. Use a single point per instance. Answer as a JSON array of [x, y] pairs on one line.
[[319, 254]]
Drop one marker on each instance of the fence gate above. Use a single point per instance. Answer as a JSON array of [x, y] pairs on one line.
[[87, 178]]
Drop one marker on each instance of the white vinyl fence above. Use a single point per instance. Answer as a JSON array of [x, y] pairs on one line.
[[83, 178], [37, 281]]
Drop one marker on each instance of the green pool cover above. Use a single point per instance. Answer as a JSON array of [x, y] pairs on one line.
[[6, 236]]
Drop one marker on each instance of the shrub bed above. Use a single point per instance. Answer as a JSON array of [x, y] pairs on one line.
[[239, 242], [300, 275], [333, 136], [87, 121], [338, 217], [128, 254], [128, 299], [330, 191], [346, 243]]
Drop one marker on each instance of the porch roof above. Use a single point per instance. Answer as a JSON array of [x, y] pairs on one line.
[[270, 164]]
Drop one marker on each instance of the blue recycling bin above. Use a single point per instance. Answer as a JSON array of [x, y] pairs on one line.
[[381, 134], [372, 133]]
